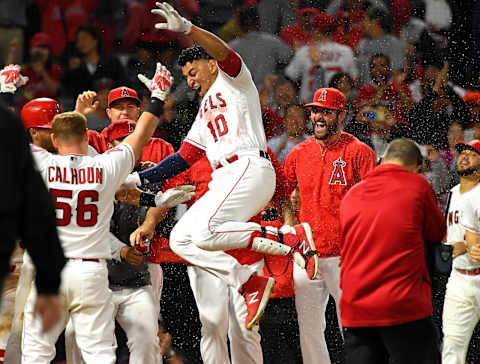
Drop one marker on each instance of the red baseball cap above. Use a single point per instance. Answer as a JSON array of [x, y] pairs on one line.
[[41, 40], [118, 129], [308, 11], [123, 92], [472, 145], [323, 22], [328, 98]]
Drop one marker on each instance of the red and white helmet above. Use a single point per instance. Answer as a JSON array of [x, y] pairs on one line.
[[328, 98], [39, 113]]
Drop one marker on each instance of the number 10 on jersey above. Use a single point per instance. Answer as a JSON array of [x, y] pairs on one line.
[[218, 127]]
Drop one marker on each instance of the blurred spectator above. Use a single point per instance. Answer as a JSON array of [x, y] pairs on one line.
[[294, 124], [344, 82], [430, 118], [438, 14], [44, 75], [98, 120], [298, 34], [472, 101], [212, 14], [140, 23], [87, 64], [316, 63], [279, 92], [12, 22], [455, 135], [350, 5], [412, 30], [382, 126], [435, 170], [263, 53], [275, 15], [349, 15], [388, 86], [377, 26], [61, 19]]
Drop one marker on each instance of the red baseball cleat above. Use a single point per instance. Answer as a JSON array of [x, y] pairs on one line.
[[256, 292], [306, 249]]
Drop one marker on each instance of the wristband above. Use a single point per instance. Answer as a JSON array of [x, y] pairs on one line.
[[147, 199], [155, 106]]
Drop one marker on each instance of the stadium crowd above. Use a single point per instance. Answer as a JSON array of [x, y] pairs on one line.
[[399, 64]]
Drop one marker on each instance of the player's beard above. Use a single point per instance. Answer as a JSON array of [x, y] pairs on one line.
[[331, 130], [466, 172]]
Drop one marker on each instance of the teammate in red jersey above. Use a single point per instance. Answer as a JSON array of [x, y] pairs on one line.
[[323, 167]]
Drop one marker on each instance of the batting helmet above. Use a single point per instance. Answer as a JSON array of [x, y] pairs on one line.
[[39, 113], [118, 129], [329, 98]]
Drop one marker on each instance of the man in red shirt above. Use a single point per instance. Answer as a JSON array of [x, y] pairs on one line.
[[386, 289], [323, 167]]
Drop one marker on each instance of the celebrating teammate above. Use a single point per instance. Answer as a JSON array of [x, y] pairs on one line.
[[460, 311], [229, 130], [340, 160], [83, 189]]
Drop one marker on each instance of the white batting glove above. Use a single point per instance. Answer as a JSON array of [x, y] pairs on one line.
[[11, 78], [175, 22], [174, 196], [131, 182], [160, 84]]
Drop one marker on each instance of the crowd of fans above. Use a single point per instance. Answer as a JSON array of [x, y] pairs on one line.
[[389, 57]]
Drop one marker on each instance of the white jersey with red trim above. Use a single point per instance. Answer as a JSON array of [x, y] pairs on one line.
[[83, 189], [463, 214], [229, 120]]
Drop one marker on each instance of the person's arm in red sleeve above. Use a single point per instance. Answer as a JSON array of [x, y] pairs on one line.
[[289, 167], [434, 222], [366, 160], [160, 252]]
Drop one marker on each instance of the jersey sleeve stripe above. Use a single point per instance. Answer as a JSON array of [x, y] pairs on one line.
[[196, 144]]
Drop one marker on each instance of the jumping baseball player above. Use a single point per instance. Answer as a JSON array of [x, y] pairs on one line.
[[229, 130], [83, 188], [323, 168], [461, 307], [221, 306]]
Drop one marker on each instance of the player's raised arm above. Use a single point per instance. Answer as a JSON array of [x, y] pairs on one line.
[[212, 44], [159, 87]]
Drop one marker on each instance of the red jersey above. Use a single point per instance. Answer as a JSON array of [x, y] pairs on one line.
[[156, 150], [97, 141], [324, 175], [385, 221]]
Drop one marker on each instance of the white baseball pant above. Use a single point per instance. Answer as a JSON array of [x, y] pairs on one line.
[[461, 313], [136, 312], [87, 300], [216, 222], [311, 299], [13, 352], [223, 312], [156, 277]]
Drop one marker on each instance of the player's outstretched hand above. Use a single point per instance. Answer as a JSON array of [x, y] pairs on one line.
[[132, 256], [160, 84], [85, 103], [48, 307], [174, 21], [175, 196], [11, 78]]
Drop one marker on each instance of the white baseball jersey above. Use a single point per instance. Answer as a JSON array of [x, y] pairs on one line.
[[83, 188], [334, 58], [229, 119], [460, 212]]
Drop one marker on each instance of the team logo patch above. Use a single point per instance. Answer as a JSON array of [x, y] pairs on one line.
[[338, 174], [323, 96], [125, 92], [57, 109], [131, 128]]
